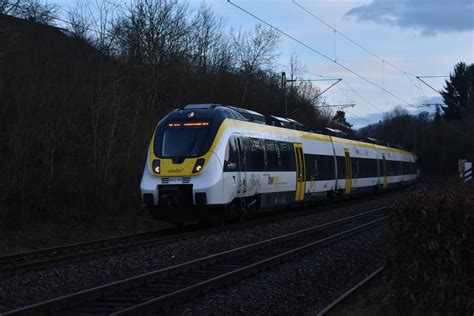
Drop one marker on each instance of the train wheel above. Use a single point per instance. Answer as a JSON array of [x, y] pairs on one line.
[[251, 209], [232, 211]]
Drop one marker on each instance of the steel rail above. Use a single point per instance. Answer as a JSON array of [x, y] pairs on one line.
[[43, 258], [161, 288], [26, 261], [341, 298]]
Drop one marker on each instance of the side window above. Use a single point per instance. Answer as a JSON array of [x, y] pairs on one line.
[[341, 167], [272, 155], [367, 168], [375, 167], [287, 156], [364, 168], [231, 160], [355, 168], [325, 167], [256, 155], [394, 168], [311, 164]]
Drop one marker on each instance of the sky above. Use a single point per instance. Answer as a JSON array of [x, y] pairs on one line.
[[409, 38]]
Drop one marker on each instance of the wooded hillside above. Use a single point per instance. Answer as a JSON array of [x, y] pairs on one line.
[[77, 110]]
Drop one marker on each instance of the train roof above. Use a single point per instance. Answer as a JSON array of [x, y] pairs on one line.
[[222, 112]]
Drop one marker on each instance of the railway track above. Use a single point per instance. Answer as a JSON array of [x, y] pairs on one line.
[[26, 261], [44, 258], [333, 305], [159, 289]]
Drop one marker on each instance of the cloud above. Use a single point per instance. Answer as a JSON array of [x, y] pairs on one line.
[[426, 16]]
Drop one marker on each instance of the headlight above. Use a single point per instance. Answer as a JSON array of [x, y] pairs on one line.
[[156, 166], [199, 164]]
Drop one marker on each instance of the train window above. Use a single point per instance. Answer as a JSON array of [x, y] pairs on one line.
[[325, 167], [341, 167], [311, 167], [231, 159], [367, 168], [390, 171], [287, 156], [374, 168], [364, 168], [394, 168], [272, 155], [183, 142], [408, 168], [355, 167], [255, 155]]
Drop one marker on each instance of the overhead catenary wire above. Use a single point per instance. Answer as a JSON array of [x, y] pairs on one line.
[[363, 98], [427, 84], [451, 101], [351, 40], [319, 53], [307, 72], [370, 52]]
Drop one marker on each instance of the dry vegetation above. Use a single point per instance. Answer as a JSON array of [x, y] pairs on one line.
[[431, 268]]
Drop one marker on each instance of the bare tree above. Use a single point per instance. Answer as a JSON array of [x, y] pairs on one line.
[[208, 42], [35, 10], [102, 17], [7, 6], [79, 20], [296, 67], [255, 49], [153, 32]]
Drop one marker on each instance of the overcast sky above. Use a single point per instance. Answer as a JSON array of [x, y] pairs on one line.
[[421, 37]]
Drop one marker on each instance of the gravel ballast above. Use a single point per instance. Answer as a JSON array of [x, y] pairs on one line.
[[302, 286], [35, 286]]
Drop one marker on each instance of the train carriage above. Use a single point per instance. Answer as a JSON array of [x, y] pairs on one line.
[[210, 160]]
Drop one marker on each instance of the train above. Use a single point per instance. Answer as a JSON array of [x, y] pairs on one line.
[[208, 161]]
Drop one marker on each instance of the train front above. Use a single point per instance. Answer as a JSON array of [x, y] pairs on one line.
[[182, 176]]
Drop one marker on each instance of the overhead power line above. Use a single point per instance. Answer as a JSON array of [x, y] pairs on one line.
[[445, 76], [351, 40], [363, 98], [319, 53], [427, 84], [445, 97]]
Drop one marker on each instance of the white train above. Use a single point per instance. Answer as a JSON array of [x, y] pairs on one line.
[[210, 160]]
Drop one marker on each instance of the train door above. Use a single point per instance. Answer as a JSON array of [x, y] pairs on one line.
[[300, 172], [242, 173], [348, 170], [385, 172]]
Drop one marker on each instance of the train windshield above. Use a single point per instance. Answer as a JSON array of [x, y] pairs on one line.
[[184, 139]]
